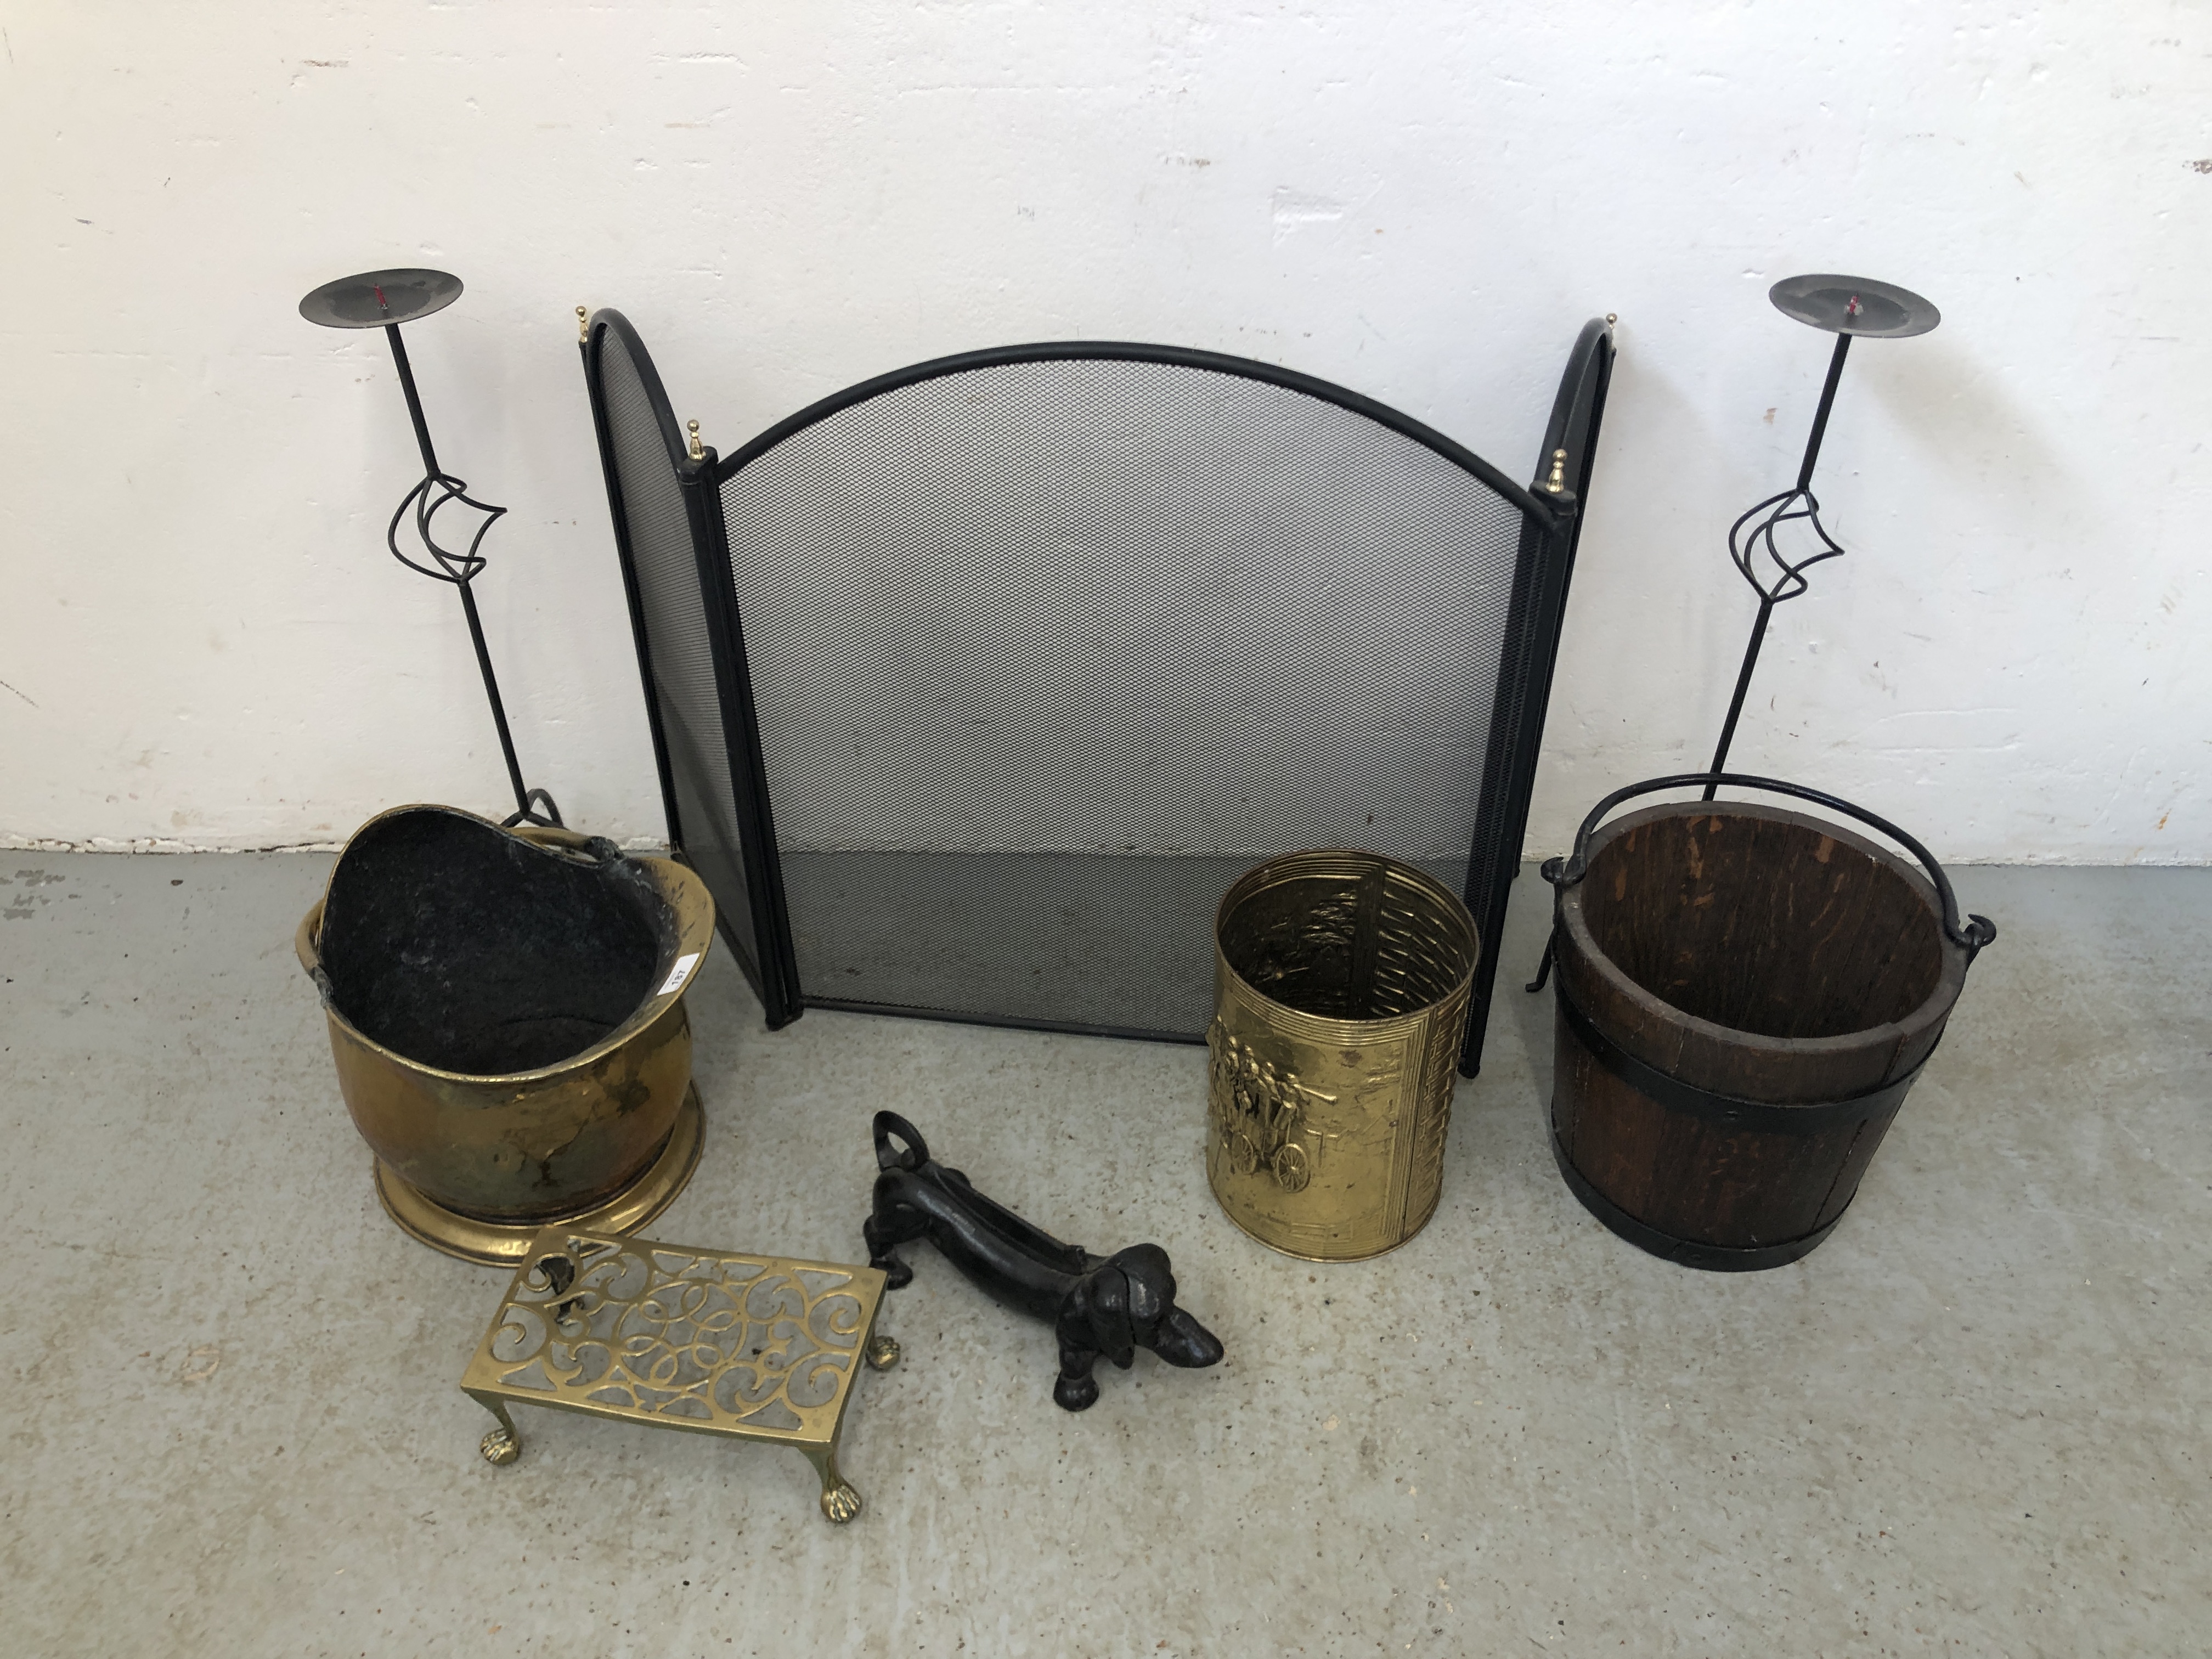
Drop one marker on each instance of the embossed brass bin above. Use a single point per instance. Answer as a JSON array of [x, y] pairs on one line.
[[1341, 986], [506, 1009]]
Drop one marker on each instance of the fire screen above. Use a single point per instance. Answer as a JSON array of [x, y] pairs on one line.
[[973, 686]]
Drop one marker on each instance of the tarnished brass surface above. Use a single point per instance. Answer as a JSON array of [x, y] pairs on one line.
[[525, 1149], [501, 1244], [752, 1347], [1341, 985]]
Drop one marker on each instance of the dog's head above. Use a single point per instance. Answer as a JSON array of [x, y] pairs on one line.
[[1129, 1303]]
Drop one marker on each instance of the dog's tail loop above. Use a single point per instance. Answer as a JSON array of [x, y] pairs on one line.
[[910, 1157]]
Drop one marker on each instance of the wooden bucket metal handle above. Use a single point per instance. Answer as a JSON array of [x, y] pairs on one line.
[[1970, 935]]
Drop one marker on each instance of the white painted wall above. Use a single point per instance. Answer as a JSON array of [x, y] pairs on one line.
[[203, 642]]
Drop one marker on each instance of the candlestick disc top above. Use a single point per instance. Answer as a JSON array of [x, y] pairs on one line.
[[377, 297], [1854, 304]]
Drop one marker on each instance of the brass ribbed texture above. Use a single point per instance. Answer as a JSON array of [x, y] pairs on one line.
[[1342, 983]]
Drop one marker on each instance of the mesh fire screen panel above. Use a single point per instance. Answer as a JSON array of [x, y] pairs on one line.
[[653, 528], [1031, 653]]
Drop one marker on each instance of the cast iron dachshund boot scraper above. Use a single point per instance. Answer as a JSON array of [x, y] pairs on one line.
[[1098, 1305]]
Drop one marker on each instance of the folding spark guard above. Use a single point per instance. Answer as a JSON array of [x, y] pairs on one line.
[[973, 686]]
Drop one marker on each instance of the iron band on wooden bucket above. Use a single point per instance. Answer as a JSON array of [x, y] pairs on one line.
[[1686, 1252], [1765, 1116]]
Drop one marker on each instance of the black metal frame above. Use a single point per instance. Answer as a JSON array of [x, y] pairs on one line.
[[772, 974], [1524, 689], [1551, 509]]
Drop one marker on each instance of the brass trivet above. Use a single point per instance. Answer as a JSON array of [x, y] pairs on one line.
[[755, 1348]]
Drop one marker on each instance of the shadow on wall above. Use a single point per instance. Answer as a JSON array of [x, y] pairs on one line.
[[1959, 413]]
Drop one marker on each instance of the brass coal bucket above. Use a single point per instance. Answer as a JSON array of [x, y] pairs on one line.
[[1341, 987], [506, 1009]]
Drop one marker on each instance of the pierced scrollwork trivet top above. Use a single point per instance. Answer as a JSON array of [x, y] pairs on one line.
[[755, 1348]]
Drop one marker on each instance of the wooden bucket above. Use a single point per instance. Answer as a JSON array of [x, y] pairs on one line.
[[1744, 995]]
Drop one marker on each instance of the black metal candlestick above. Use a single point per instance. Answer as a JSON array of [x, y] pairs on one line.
[[385, 299], [1845, 306]]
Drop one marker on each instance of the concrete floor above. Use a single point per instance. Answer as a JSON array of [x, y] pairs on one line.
[[1974, 1421]]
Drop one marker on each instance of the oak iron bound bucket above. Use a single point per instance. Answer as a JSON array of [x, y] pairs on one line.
[[1341, 989], [506, 1010], [1745, 994]]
